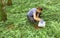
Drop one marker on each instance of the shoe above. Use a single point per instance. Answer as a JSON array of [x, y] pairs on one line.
[[36, 27]]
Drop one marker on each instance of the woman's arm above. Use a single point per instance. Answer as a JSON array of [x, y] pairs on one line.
[[36, 17]]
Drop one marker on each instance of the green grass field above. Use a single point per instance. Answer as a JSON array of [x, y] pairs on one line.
[[17, 25]]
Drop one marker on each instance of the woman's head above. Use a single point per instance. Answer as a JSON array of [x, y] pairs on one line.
[[39, 9]]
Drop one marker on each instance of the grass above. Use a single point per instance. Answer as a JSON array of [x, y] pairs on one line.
[[17, 25]]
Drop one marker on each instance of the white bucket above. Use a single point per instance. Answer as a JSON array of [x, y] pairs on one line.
[[41, 23]]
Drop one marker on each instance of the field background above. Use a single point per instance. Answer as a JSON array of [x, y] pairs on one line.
[[17, 25]]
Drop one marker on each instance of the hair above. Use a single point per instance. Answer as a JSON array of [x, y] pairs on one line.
[[40, 8]]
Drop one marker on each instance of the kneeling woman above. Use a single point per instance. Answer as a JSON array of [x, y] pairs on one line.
[[34, 15]]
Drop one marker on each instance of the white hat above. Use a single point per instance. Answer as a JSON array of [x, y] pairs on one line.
[[41, 23]]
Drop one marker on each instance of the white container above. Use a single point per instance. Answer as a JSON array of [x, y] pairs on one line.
[[41, 23]]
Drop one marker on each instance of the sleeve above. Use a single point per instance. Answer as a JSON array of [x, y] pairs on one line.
[[34, 11]]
